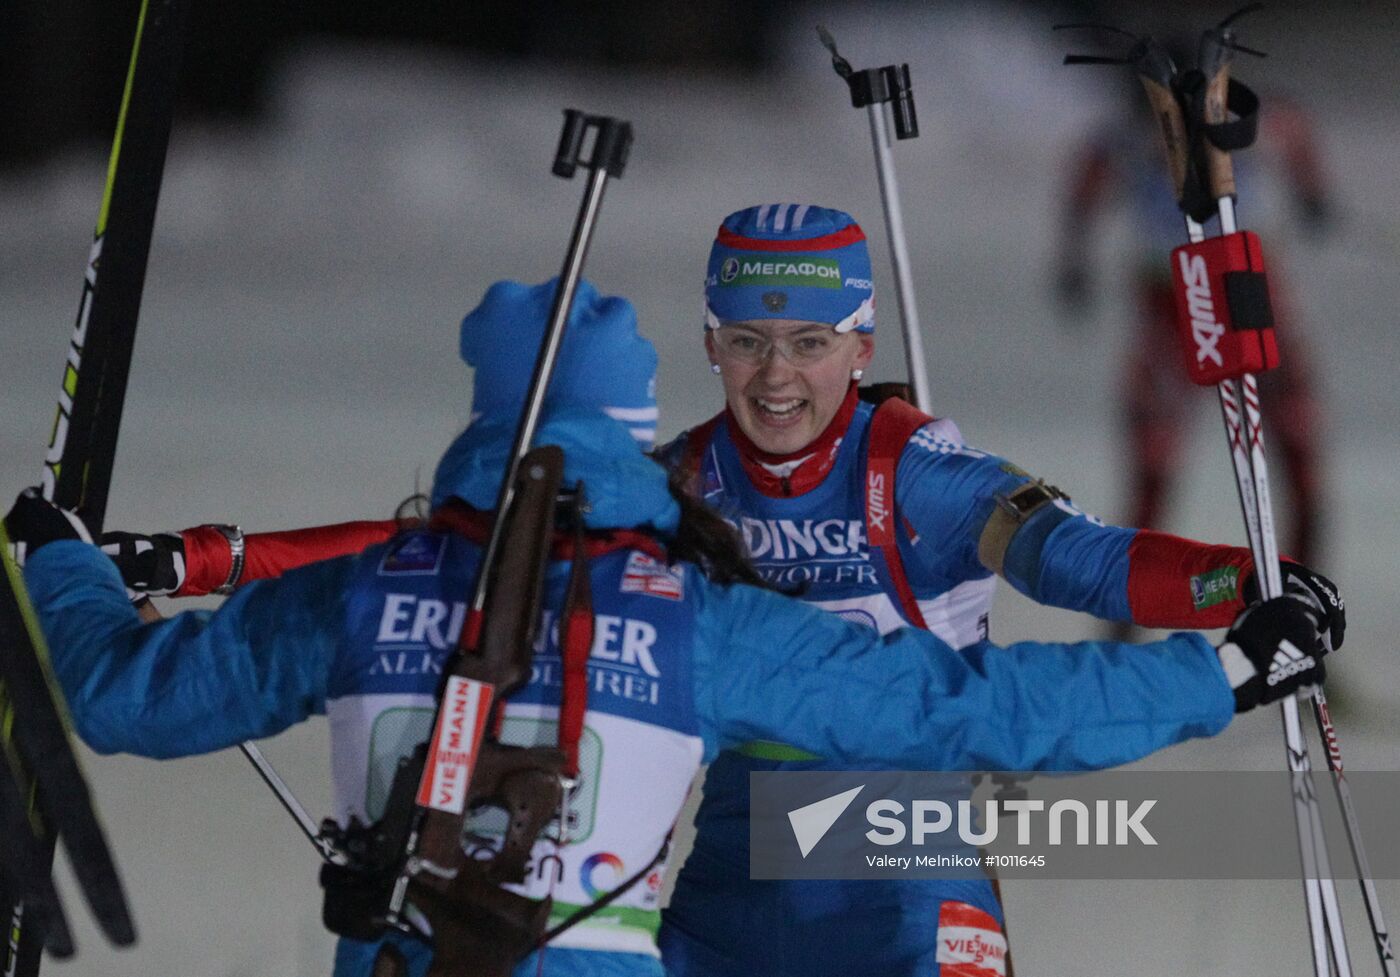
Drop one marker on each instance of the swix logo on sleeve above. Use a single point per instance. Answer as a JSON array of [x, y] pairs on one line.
[[465, 708], [1204, 328]]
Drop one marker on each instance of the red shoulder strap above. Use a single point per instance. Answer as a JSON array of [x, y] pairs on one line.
[[894, 423], [455, 516], [697, 442]]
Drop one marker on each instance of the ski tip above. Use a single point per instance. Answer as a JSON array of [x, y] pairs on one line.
[[109, 907], [119, 929], [58, 938]]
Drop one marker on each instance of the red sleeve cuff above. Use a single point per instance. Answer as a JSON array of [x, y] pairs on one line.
[[1180, 583], [208, 559]]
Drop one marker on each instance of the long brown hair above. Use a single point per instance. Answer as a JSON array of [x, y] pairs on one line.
[[707, 540]]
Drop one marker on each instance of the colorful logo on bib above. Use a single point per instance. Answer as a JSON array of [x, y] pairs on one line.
[[644, 575], [600, 874]]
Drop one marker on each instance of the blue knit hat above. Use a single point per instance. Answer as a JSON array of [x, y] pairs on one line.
[[790, 261], [603, 363]]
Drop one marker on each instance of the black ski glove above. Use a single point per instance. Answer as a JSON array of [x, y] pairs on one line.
[[153, 565], [1272, 650], [35, 521], [1312, 587]]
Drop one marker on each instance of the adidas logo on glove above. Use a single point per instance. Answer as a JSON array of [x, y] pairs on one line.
[[1288, 661]]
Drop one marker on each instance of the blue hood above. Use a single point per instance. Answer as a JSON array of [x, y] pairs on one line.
[[625, 488]]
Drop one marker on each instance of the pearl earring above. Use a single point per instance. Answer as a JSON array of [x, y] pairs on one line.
[[857, 374], [714, 367]]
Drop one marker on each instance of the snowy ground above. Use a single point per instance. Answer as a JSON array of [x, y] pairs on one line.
[[296, 364]]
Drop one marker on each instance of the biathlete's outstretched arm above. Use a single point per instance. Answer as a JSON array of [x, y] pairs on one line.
[[973, 513], [218, 558], [764, 666], [970, 510]]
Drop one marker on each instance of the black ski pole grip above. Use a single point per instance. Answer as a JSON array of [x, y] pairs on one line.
[[906, 120], [610, 145], [570, 142], [887, 84]]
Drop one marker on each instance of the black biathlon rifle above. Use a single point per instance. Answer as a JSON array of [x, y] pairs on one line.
[[480, 928]]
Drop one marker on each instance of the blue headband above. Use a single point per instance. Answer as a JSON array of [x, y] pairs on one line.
[[790, 261]]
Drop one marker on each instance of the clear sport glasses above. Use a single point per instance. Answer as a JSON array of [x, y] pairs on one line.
[[748, 346]]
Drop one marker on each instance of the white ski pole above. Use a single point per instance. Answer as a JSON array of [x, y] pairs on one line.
[[886, 95], [1158, 75], [1239, 404], [1216, 46]]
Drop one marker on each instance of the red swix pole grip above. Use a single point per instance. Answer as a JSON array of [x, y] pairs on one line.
[[1224, 321]]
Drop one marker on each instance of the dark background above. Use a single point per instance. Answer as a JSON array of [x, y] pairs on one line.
[[62, 61]]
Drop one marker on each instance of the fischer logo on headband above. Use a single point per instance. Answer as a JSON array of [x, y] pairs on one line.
[[816, 258]]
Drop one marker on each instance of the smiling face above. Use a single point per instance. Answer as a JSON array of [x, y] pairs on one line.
[[785, 379]]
